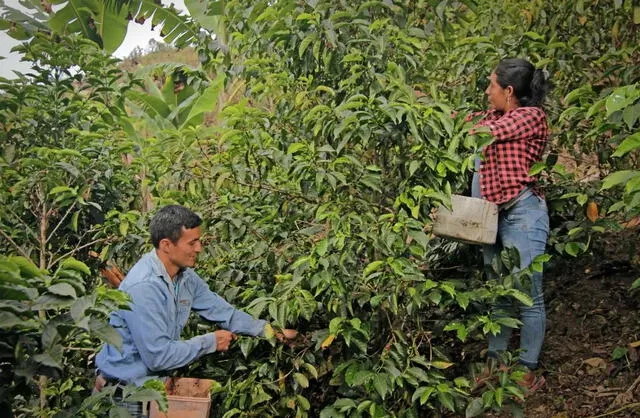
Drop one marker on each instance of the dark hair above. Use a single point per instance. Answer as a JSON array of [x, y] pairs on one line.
[[169, 221], [529, 84]]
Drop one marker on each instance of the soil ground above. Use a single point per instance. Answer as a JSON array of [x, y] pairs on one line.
[[593, 317]]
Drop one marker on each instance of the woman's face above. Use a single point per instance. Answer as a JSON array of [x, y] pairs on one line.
[[499, 98]]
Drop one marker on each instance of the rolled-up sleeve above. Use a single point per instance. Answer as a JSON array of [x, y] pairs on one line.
[[212, 307], [150, 325]]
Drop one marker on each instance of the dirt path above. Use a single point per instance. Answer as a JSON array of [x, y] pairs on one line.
[[591, 357]]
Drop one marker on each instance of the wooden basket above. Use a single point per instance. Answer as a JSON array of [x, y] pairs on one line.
[[188, 398]]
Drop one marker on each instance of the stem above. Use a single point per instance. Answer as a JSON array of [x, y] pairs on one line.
[[634, 384], [79, 349], [43, 233], [42, 382], [631, 405], [13, 243], [61, 221], [67, 254]]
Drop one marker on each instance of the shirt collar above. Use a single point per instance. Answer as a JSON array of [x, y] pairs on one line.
[[157, 267], [159, 270]]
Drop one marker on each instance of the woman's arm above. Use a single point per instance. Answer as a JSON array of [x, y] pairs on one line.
[[523, 123]]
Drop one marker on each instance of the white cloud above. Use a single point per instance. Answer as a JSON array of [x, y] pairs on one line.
[[12, 61]]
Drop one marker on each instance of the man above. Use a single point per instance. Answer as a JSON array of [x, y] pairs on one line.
[[164, 290]]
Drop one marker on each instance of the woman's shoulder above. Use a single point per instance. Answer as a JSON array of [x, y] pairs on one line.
[[533, 111]]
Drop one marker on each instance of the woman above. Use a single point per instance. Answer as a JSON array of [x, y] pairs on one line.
[[519, 127]]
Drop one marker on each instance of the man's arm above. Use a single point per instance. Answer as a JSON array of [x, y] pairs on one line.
[[212, 307], [150, 325]]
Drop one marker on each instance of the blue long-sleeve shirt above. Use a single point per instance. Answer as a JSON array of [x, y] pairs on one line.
[[159, 311]]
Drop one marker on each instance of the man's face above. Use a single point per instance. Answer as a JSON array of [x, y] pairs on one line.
[[185, 251]]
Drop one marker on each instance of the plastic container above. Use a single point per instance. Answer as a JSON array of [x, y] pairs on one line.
[[188, 398], [471, 220]]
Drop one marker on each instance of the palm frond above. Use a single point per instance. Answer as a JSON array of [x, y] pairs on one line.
[[177, 28], [152, 106], [20, 25]]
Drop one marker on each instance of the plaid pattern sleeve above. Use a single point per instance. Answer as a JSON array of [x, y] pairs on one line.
[[485, 116], [520, 137]]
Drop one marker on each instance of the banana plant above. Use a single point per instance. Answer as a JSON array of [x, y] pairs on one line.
[[180, 100], [103, 21]]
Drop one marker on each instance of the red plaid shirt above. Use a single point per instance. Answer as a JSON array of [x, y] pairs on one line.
[[520, 138]]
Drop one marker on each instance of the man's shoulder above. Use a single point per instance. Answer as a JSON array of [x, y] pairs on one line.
[[189, 275], [143, 273]]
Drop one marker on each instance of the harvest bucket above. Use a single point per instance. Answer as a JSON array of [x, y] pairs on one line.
[[471, 220], [188, 398]]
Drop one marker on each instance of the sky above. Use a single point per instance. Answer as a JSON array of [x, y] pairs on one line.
[[137, 35]]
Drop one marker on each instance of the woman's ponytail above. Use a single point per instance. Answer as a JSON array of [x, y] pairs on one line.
[[539, 87], [529, 84]]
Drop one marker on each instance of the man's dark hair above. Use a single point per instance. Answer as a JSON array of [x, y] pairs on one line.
[[169, 221], [529, 84]]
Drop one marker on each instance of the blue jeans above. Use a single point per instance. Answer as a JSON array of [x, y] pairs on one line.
[[135, 409], [524, 226]]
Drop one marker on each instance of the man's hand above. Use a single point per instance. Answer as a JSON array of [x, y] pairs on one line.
[[223, 339], [100, 383], [286, 335]]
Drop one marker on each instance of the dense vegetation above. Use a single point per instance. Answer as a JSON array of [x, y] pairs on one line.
[[315, 137]]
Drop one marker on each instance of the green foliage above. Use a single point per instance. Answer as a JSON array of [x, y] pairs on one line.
[[65, 157], [317, 187], [45, 318], [153, 390], [180, 102], [608, 127], [614, 119], [504, 390], [103, 22], [65, 164], [321, 195]]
